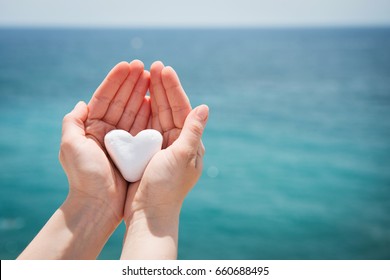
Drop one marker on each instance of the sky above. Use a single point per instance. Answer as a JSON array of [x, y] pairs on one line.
[[199, 13]]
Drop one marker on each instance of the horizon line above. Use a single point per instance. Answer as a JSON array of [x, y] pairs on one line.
[[257, 26]]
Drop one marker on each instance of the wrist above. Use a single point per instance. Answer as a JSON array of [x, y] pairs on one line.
[[151, 235], [148, 204], [94, 208], [153, 218], [89, 219], [139, 212]]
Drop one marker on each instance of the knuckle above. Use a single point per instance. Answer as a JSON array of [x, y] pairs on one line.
[[66, 145], [162, 108], [197, 129], [186, 153], [130, 115], [118, 103], [182, 153], [202, 148], [67, 118], [201, 151], [188, 156]]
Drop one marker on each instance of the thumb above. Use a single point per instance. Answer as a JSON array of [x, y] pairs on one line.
[[193, 128], [73, 123]]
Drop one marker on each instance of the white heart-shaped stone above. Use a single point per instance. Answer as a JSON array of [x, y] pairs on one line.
[[131, 154]]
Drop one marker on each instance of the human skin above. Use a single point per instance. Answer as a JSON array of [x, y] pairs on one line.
[[153, 205], [97, 191], [99, 198]]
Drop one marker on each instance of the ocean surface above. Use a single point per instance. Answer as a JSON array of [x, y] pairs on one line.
[[298, 141]]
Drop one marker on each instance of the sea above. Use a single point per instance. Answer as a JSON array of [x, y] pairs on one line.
[[297, 162]]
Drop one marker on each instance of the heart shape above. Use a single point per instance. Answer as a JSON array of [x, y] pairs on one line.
[[131, 154]]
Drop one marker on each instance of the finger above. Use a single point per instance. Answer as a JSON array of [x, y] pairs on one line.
[[135, 101], [118, 103], [163, 106], [142, 119], [191, 134], [154, 120], [73, 123], [177, 98], [104, 94], [201, 149], [199, 158]]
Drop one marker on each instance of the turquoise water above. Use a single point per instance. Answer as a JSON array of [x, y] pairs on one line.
[[298, 141]]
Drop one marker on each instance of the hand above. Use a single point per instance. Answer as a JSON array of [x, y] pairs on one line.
[[153, 204], [118, 103], [94, 207]]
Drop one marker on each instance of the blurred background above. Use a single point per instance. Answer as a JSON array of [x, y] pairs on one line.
[[298, 140]]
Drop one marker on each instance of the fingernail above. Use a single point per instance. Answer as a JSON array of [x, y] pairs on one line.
[[202, 112]]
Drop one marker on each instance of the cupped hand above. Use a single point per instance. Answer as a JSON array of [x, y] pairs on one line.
[[118, 103], [174, 170]]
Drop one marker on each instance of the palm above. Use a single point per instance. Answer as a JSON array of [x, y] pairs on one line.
[[118, 103], [96, 152], [170, 107]]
